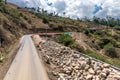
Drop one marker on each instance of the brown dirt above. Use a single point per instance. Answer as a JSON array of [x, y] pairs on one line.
[[80, 39], [8, 60], [48, 67]]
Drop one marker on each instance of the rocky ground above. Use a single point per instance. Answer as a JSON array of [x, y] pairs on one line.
[[67, 64]]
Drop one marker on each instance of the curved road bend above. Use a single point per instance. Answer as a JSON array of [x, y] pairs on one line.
[[26, 65]]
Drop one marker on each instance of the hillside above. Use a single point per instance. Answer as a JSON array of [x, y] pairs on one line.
[[16, 21], [96, 40]]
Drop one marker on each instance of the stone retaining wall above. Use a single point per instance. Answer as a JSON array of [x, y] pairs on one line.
[[68, 64]]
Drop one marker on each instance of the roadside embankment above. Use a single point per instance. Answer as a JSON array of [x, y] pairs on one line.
[[64, 63]]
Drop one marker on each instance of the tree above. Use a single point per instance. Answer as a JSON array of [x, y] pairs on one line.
[[38, 9], [45, 20], [1, 0], [5, 1]]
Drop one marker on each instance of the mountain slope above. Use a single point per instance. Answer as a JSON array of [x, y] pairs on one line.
[[15, 21]]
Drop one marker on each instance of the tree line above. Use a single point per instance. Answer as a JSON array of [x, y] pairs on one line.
[[108, 21], [3, 1]]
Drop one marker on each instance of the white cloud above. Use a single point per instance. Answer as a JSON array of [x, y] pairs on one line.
[[77, 8], [60, 6], [110, 8]]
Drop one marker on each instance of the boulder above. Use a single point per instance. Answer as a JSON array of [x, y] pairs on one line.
[[117, 77], [105, 65], [103, 75]]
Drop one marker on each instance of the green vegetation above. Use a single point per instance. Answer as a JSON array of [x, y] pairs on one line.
[[87, 32], [67, 40], [2, 57], [111, 51], [109, 21], [15, 22], [45, 20], [112, 61]]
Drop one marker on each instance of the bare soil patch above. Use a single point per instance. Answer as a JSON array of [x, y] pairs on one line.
[[8, 60]]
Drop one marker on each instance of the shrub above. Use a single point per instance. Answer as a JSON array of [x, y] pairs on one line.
[[60, 27], [67, 40], [3, 8], [29, 21], [45, 20], [15, 20], [23, 25], [103, 42], [21, 14], [51, 25], [87, 31], [25, 17], [117, 27], [111, 51]]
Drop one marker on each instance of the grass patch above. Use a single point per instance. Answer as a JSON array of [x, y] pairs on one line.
[[112, 61], [3, 57]]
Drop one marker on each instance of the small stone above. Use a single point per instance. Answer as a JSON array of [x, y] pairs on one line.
[[68, 63], [83, 65], [69, 68], [97, 68], [87, 67], [117, 77], [68, 72], [98, 72], [77, 67], [54, 73], [73, 64], [103, 75], [89, 77], [82, 58], [78, 74], [84, 73], [75, 78], [91, 71], [97, 78], [76, 55], [61, 75], [106, 70], [105, 65], [88, 61], [92, 64]]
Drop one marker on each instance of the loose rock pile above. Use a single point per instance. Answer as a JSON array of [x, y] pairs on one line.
[[70, 65]]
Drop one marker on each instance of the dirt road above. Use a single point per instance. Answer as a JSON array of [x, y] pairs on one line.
[[26, 65]]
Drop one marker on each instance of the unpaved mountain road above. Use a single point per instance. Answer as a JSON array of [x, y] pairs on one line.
[[27, 65]]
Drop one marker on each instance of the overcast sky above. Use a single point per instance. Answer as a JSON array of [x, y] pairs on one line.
[[76, 8]]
